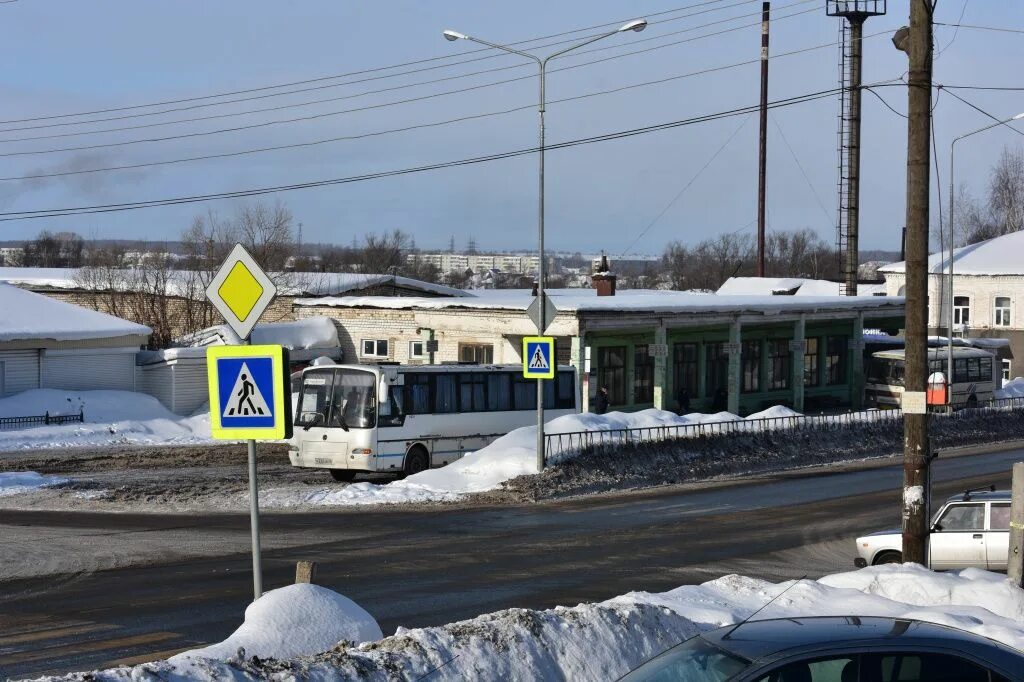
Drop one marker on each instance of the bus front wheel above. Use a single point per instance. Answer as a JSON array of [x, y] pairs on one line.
[[416, 460], [343, 475]]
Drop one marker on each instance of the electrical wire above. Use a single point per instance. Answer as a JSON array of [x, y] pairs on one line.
[[378, 69], [807, 179], [623, 88], [314, 102], [982, 28], [956, 31], [991, 116], [687, 186], [135, 205]]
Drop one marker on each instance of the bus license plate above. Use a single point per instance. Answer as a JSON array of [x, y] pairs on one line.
[[321, 460]]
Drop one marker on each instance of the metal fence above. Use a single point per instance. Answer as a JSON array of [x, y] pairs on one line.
[[43, 420], [561, 444]]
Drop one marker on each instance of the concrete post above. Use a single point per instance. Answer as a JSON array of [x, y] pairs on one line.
[[1015, 563], [305, 572], [799, 348], [857, 364], [578, 360], [735, 367], [662, 400]]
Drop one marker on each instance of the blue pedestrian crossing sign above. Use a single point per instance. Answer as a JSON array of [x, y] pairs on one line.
[[249, 396], [539, 357]]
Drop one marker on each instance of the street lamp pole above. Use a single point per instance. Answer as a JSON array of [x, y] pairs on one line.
[[636, 25], [949, 295]]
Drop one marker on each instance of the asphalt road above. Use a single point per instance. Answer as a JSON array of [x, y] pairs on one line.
[[427, 568]]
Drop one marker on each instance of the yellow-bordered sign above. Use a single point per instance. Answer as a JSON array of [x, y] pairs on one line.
[[250, 394], [539, 357]]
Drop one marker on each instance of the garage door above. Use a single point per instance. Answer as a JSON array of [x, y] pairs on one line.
[[89, 371]]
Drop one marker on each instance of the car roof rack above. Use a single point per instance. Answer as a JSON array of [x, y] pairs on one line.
[[991, 488]]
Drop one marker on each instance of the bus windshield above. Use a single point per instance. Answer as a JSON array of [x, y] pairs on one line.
[[341, 398], [886, 371]]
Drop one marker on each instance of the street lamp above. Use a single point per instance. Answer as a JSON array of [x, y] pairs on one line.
[[949, 300], [636, 25]]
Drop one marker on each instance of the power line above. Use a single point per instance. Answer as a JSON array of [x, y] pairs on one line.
[[828, 216], [282, 107], [623, 88], [991, 116], [956, 31], [135, 205], [982, 28], [685, 187], [378, 69]]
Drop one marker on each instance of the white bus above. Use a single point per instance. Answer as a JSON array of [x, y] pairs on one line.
[[402, 419], [975, 376]]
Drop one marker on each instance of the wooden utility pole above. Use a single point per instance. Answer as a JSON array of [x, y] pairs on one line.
[[916, 454], [1015, 565], [763, 142]]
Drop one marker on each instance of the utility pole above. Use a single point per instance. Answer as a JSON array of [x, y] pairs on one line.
[[1015, 565], [763, 140], [916, 455]]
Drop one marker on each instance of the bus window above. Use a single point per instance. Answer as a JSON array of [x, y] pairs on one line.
[[986, 368], [355, 400], [446, 395], [524, 393], [960, 375], [314, 398], [566, 391], [417, 394], [472, 392], [391, 413], [499, 391]]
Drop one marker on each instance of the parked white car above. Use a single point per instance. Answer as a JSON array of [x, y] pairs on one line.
[[971, 529]]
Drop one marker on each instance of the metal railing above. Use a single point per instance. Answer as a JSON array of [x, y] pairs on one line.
[[43, 420], [562, 444]]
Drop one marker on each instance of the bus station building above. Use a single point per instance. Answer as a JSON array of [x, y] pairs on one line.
[[647, 347]]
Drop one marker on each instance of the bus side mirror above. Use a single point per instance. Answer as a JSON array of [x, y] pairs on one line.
[[382, 390]]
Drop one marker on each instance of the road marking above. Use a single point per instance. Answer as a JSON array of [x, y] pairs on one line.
[[54, 633], [148, 658], [79, 648]]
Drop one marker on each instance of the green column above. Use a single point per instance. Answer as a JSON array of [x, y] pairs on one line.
[[735, 367], [857, 363], [661, 397], [799, 347]]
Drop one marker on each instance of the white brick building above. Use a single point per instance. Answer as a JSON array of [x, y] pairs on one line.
[[988, 293]]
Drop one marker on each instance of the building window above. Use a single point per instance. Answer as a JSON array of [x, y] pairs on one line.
[[962, 310], [479, 353], [1002, 311], [684, 365], [375, 348], [751, 361], [779, 364], [611, 373], [1007, 369], [716, 368], [643, 374], [811, 363], [835, 360], [416, 350]]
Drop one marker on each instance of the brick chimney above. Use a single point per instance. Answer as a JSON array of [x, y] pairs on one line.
[[603, 280]]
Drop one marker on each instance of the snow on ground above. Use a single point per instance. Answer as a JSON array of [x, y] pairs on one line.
[[592, 641], [514, 454], [111, 417], [17, 482], [1011, 389]]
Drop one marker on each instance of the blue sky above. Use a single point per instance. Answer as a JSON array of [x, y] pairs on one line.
[[66, 56]]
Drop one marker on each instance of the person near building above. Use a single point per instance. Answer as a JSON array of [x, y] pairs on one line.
[[683, 399], [601, 401]]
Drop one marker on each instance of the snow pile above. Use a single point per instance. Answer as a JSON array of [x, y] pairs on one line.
[[313, 332], [1011, 389], [110, 417], [512, 455], [296, 620], [605, 640], [33, 316], [17, 482]]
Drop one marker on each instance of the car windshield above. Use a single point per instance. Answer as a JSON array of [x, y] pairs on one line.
[[342, 398], [695, 660]]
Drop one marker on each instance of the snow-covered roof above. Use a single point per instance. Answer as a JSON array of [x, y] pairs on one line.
[[189, 283], [999, 256], [313, 332], [27, 316], [628, 300], [791, 286]]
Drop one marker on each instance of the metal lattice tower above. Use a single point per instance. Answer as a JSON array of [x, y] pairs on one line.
[[851, 32]]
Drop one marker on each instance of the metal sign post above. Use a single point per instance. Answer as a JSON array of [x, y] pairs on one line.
[[248, 384]]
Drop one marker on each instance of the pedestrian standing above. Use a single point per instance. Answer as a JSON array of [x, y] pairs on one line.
[[601, 401], [683, 399]]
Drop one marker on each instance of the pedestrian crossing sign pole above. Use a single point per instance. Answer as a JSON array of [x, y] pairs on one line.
[[539, 357], [249, 396]]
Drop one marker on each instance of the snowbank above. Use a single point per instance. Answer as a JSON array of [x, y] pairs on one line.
[[296, 620], [604, 640], [110, 417], [514, 454], [16, 482], [1011, 389]]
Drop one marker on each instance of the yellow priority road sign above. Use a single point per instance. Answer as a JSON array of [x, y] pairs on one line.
[[241, 291], [539, 357], [249, 392]]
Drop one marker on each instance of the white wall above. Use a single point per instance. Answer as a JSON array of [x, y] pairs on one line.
[[90, 369], [21, 370]]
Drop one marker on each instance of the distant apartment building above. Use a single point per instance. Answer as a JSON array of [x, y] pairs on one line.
[[519, 264], [12, 256]]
